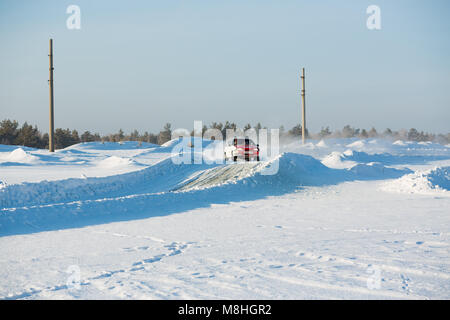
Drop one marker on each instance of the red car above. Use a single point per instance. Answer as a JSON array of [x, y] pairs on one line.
[[242, 148]]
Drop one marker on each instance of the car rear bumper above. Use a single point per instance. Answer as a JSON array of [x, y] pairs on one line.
[[245, 154]]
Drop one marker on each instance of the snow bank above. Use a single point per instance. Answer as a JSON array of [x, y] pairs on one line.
[[294, 170], [19, 156], [163, 176], [114, 162], [163, 188], [376, 170], [337, 160], [357, 144], [291, 170], [399, 143], [422, 182], [389, 158]]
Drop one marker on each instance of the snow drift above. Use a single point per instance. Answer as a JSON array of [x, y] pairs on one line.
[[158, 186], [113, 162], [293, 170], [422, 182], [18, 156], [164, 188]]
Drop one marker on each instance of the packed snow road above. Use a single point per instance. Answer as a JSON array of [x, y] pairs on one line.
[[338, 219]]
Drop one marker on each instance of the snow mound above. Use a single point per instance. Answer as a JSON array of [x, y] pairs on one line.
[[160, 177], [390, 158], [114, 162], [282, 174], [399, 143], [155, 190], [422, 182], [20, 156], [321, 144], [357, 144], [377, 170], [336, 160], [286, 171]]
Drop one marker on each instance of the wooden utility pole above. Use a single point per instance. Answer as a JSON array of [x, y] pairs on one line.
[[51, 139], [303, 107]]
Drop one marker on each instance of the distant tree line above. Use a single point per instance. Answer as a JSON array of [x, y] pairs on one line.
[[403, 134], [27, 135]]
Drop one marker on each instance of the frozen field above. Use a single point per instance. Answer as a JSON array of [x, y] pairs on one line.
[[340, 219]]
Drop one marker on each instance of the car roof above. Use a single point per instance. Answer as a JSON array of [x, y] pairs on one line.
[[239, 138]]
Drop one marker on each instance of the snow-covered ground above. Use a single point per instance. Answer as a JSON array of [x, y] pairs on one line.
[[344, 218]]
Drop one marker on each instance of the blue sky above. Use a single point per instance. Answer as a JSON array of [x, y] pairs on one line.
[[140, 64]]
